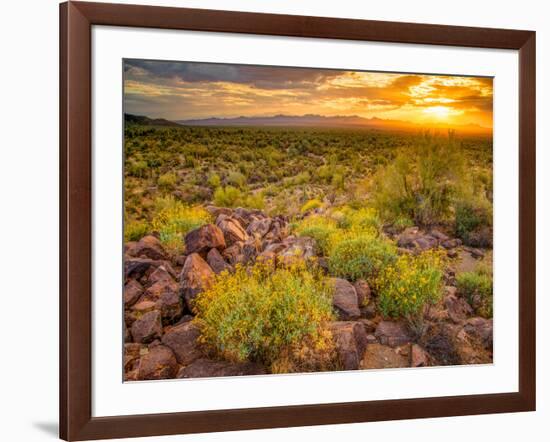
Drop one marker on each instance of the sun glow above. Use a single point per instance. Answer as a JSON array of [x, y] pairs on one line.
[[440, 112]]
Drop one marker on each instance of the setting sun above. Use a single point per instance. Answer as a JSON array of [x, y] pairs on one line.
[[440, 112]]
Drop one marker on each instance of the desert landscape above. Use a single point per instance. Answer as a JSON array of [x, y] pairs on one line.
[[290, 242]]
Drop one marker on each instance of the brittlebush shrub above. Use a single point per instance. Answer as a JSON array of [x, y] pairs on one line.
[[411, 283], [345, 223], [310, 205], [135, 230], [228, 196], [320, 228], [477, 288], [173, 219], [267, 315], [360, 256]]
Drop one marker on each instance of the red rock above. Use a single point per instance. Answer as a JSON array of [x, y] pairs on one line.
[[457, 308], [345, 300], [147, 247], [203, 239], [216, 262], [351, 340], [170, 306], [232, 230], [147, 328], [182, 339], [419, 357], [207, 368], [195, 276], [132, 291], [393, 334], [160, 287], [158, 363]]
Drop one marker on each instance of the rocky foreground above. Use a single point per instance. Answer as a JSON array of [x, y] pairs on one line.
[[161, 341]]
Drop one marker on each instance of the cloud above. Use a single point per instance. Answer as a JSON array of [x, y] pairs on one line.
[[180, 90]]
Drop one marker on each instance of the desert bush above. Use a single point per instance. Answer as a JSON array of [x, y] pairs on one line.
[[227, 196], [402, 223], [236, 179], [361, 220], [173, 219], [409, 284], [310, 205], [421, 183], [214, 180], [469, 217], [360, 256], [254, 201], [477, 289], [136, 168], [134, 230], [266, 314], [321, 228], [167, 180]]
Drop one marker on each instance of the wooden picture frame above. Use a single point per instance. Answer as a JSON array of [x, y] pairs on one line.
[[76, 21]]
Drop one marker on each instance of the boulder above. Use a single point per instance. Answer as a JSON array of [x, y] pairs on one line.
[[147, 328], [170, 306], [350, 339], [363, 291], [232, 230], [457, 308], [451, 243], [234, 253], [182, 340], [158, 363], [132, 291], [393, 334], [481, 329], [161, 273], [216, 262], [302, 248], [345, 300], [259, 228], [207, 368], [161, 287], [419, 357], [379, 356], [132, 353], [440, 236], [138, 268], [147, 247], [217, 211], [203, 239], [195, 276]]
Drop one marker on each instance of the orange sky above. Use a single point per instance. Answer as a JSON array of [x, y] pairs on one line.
[[183, 90]]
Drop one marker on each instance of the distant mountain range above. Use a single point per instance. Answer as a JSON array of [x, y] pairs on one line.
[[352, 121]]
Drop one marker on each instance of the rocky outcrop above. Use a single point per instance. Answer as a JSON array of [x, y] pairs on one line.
[[207, 368], [158, 362], [182, 340], [350, 339], [147, 247], [345, 300], [147, 328], [393, 334], [216, 262], [203, 239], [195, 276]]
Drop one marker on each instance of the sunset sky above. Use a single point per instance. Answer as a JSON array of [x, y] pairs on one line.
[[183, 90]]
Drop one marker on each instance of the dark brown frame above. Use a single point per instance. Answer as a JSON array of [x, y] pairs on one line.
[[76, 20]]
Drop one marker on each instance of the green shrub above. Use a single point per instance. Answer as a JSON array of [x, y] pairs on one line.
[[173, 219], [477, 288], [254, 201], [310, 205], [135, 230], [236, 179], [136, 168], [408, 285], [403, 222], [167, 180], [228, 196], [266, 314], [421, 183], [320, 228], [214, 180], [468, 218], [360, 256]]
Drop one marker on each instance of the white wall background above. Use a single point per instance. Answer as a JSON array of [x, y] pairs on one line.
[[29, 217]]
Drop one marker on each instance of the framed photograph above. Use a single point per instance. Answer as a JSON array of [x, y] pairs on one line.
[[272, 220]]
